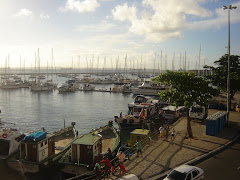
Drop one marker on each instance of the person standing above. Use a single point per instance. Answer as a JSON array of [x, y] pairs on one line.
[[172, 134], [121, 157], [161, 130], [106, 166], [166, 132], [139, 148], [98, 171]]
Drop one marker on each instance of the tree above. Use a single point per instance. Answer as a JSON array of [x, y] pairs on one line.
[[186, 89], [219, 74]]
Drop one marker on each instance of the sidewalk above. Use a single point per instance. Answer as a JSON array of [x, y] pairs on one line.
[[161, 156]]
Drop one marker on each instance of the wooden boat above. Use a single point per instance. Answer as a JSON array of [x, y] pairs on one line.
[[40, 150], [88, 148], [9, 141]]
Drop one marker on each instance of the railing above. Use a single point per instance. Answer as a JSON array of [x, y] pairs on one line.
[[129, 152]]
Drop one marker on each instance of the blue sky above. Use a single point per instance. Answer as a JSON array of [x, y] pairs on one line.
[[80, 31]]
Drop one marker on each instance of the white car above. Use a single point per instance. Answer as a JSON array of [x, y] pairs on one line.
[[185, 172]]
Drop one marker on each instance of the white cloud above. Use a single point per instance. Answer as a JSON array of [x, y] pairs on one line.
[[24, 12], [101, 27], [124, 12], [160, 20], [81, 5], [44, 16]]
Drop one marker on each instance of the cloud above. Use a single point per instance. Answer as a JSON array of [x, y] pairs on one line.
[[81, 5], [101, 27], [220, 19], [160, 20], [24, 13], [44, 16], [124, 12]]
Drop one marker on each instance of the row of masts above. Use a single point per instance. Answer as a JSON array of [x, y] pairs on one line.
[[135, 66]]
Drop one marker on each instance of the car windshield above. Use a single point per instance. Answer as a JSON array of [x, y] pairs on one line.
[[196, 110], [176, 175]]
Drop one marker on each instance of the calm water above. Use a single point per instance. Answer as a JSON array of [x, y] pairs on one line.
[[30, 111]]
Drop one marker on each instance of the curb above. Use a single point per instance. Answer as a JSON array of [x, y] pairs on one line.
[[200, 158]]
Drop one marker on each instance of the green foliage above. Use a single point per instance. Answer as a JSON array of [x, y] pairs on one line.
[[186, 89], [219, 76]]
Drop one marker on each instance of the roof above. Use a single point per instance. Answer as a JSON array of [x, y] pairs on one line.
[[87, 139], [140, 131], [184, 168], [172, 108]]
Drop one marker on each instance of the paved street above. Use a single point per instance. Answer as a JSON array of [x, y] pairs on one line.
[[225, 165]]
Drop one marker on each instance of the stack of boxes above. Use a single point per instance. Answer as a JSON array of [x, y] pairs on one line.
[[215, 123]]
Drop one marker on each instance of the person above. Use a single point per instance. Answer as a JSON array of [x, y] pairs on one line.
[[106, 166], [139, 148], [237, 108], [120, 114], [161, 129], [167, 131], [109, 154], [97, 170], [122, 169], [121, 157], [172, 133], [113, 169]]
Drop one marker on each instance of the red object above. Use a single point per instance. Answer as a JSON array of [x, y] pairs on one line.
[[4, 135], [106, 162], [122, 167]]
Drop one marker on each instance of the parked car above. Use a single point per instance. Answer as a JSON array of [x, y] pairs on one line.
[[185, 172], [198, 112]]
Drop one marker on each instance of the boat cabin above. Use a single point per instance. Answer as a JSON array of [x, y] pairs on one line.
[[141, 135], [37, 147], [143, 109], [172, 113], [9, 141], [86, 148]]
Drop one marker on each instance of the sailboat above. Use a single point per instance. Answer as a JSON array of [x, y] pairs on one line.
[[39, 85]]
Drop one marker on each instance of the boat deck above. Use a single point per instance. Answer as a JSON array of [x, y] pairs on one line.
[[108, 140], [61, 144]]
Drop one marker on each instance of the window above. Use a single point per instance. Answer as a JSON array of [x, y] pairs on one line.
[[42, 144], [195, 173], [45, 142], [176, 175], [189, 176]]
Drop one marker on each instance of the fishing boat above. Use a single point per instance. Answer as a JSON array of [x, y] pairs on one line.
[[150, 89], [41, 150], [137, 116], [9, 141], [88, 148]]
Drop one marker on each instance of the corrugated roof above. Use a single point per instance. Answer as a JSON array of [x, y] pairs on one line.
[[87, 139]]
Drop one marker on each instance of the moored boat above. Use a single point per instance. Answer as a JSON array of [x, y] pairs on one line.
[[88, 148], [137, 117], [88, 87], [148, 88], [9, 141], [40, 150]]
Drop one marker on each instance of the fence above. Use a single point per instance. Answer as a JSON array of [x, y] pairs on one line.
[[130, 151]]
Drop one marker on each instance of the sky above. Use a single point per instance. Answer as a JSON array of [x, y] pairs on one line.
[[148, 34]]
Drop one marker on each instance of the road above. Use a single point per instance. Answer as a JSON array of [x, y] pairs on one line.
[[224, 165]]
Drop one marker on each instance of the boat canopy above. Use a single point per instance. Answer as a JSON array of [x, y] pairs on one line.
[[35, 137], [173, 108]]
